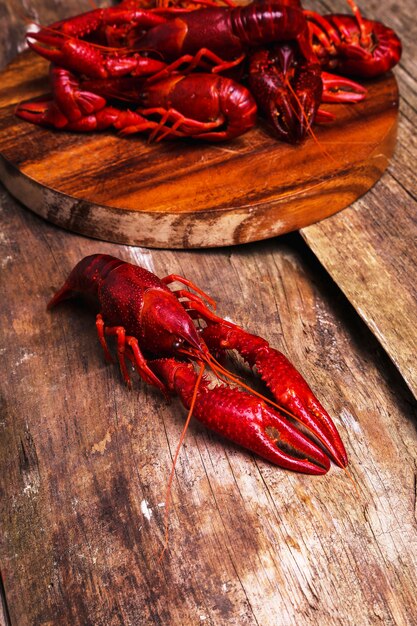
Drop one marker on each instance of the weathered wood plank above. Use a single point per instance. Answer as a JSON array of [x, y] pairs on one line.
[[370, 248], [381, 283], [4, 613], [85, 463]]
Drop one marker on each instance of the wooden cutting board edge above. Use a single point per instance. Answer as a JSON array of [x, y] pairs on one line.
[[227, 222]]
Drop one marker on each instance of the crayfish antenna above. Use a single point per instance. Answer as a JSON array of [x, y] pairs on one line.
[[308, 121], [174, 463], [359, 491]]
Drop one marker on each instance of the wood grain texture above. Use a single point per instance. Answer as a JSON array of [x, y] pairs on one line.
[[181, 194], [380, 280], [84, 463], [381, 283]]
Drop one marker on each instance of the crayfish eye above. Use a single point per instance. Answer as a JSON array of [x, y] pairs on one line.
[[177, 343]]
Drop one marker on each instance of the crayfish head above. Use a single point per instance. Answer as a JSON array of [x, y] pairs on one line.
[[166, 326]]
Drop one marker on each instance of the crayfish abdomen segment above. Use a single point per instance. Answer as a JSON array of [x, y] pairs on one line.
[[268, 22], [86, 277]]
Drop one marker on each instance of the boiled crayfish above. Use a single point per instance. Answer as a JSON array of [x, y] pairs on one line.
[[129, 68], [165, 332]]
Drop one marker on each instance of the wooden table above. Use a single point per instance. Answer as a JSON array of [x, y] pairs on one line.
[[84, 463]]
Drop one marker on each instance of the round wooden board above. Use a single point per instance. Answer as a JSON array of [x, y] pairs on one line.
[[185, 194]]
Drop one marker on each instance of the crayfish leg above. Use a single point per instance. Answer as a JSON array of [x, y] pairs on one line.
[[143, 369], [171, 278], [102, 339], [134, 354]]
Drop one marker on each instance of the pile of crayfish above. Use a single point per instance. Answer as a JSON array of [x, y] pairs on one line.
[[171, 334], [198, 69]]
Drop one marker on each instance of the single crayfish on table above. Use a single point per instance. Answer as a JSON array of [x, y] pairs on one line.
[[197, 69], [169, 333]]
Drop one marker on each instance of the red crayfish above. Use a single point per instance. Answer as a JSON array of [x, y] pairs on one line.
[[352, 44], [165, 332], [225, 111], [278, 53]]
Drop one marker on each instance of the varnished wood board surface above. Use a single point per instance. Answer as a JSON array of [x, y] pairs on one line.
[[84, 463], [188, 194]]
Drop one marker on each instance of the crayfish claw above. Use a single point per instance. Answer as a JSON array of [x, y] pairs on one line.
[[54, 40], [281, 443], [291, 391], [340, 89], [243, 418], [41, 111]]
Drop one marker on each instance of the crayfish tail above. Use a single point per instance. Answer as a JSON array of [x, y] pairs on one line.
[[86, 277], [64, 293]]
